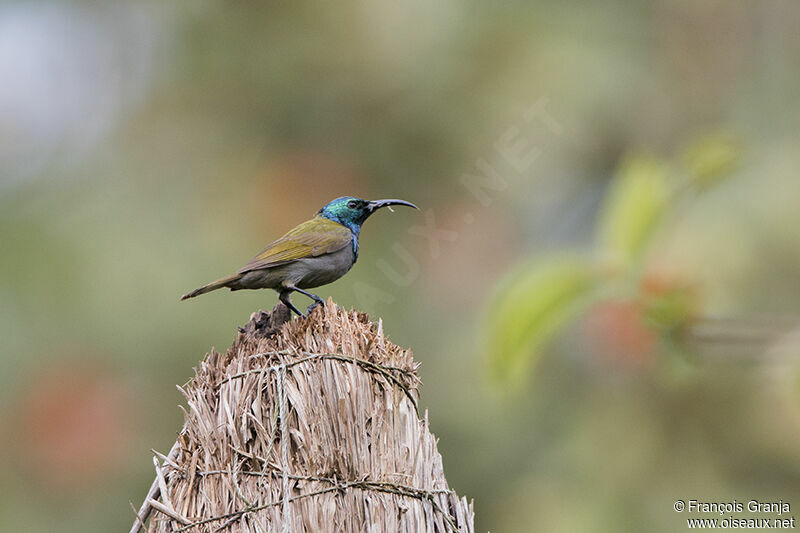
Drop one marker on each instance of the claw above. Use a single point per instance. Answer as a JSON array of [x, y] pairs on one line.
[[313, 306]]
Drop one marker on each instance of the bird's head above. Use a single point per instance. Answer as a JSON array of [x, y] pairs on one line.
[[352, 212]]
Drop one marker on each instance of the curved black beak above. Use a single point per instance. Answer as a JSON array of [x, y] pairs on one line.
[[377, 204]]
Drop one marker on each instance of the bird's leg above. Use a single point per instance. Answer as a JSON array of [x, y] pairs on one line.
[[317, 299], [284, 297]]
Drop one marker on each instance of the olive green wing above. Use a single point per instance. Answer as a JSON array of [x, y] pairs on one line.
[[312, 238]]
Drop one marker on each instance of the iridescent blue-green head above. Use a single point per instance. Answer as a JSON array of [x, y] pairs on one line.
[[352, 212]]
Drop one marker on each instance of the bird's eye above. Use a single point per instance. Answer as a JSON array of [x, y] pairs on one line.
[[352, 204]]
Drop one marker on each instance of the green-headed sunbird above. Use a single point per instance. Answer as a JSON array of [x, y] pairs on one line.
[[317, 252]]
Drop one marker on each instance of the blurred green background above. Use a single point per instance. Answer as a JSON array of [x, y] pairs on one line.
[[146, 149]]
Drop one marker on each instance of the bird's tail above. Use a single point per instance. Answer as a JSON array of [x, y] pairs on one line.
[[214, 285]]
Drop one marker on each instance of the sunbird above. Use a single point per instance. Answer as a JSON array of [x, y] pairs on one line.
[[317, 252]]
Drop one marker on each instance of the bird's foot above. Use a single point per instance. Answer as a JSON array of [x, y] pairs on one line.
[[313, 306], [291, 307]]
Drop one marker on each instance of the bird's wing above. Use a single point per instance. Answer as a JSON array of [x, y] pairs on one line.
[[312, 238]]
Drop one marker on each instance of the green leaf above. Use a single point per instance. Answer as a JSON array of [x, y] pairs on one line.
[[533, 303], [671, 309], [635, 205], [710, 158]]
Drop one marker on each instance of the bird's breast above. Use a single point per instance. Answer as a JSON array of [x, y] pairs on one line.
[[312, 272]]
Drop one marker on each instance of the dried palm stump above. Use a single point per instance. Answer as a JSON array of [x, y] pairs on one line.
[[312, 426]]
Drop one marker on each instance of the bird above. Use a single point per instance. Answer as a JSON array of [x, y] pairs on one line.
[[317, 252]]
